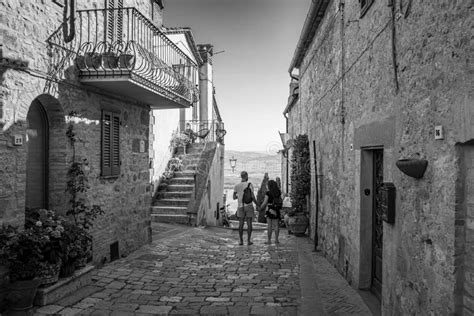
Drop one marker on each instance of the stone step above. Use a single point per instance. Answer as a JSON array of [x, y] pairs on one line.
[[171, 219], [190, 167], [169, 210], [176, 195], [180, 187], [182, 180], [188, 161], [184, 173], [172, 202]]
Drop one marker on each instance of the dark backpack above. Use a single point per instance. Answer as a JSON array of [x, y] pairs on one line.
[[247, 198], [277, 203]]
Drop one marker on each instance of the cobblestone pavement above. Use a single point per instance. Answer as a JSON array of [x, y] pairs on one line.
[[204, 271]]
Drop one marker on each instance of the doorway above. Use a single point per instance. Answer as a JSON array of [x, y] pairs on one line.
[[371, 224], [37, 160]]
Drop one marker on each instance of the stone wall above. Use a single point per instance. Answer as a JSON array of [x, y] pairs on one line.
[[26, 76], [351, 104], [210, 186]]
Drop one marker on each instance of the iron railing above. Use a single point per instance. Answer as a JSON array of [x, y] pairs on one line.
[[122, 42], [204, 131]]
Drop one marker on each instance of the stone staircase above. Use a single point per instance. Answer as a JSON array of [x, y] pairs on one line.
[[170, 204]]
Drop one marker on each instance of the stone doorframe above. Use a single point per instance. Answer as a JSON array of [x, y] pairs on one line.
[[58, 153], [366, 206]]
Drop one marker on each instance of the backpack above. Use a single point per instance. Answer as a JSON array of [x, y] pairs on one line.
[[247, 198]]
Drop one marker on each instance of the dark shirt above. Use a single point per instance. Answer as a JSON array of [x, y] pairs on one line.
[[270, 206]]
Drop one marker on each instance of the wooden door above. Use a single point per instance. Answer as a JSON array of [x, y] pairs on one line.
[[37, 160]]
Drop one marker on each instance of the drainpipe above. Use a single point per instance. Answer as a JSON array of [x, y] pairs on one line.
[[287, 156], [69, 36]]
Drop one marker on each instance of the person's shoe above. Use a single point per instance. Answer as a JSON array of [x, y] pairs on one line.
[[241, 243], [268, 242], [277, 242], [250, 243]]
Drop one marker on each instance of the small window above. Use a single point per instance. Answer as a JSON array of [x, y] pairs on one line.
[[364, 6], [110, 162]]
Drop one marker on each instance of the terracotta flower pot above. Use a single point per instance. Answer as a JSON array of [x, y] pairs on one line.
[[50, 273], [80, 62], [22, 294], [298, 223], [126, 61], [93, 60], [67, 269], [110, 60], [414, 168]]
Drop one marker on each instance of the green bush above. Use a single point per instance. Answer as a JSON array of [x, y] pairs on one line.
[[300, 173]]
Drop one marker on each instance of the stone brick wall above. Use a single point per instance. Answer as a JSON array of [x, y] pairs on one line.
[[26, 76], [350, 103]]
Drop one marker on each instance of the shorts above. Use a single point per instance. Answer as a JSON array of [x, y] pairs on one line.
[[245, 211]]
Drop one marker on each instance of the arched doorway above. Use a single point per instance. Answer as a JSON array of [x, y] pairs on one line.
[[37, 160]]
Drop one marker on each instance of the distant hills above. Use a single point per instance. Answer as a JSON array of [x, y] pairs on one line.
[[255, 163]]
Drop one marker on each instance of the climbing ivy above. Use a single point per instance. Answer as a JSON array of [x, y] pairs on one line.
[[77, 184], [300, 173]]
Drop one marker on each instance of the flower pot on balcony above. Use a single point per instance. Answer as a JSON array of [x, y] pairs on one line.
[[93, 60], [80, 62], [110, 60], [22, 294], [126, 61], [414, 168]]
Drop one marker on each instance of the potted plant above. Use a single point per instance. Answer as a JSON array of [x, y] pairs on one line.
[[300, 184], [179, 139], [22, 253]]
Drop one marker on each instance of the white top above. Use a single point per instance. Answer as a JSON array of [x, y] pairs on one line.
[[239, 189]]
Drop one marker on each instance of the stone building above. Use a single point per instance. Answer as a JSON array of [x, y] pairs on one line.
[[101, 74], [383, 83]]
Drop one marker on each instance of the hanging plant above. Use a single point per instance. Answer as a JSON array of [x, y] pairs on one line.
[[300, 173]]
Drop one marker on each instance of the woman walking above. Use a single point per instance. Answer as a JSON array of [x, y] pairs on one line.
[[274, 202]]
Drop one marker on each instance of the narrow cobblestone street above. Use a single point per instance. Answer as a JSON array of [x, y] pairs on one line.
[[204, 271]]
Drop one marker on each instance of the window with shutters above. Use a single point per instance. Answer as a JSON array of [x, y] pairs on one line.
[[364, 6], [114, 20], [110, 156]]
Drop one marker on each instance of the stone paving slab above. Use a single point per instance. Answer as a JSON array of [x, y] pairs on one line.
[[194, 271]]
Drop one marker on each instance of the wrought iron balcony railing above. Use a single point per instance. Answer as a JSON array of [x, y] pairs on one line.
[[120, 50], [204, 131]]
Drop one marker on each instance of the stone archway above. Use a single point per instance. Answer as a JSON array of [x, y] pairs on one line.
[[47, 154]]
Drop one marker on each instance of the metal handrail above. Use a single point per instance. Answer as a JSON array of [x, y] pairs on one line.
[[117, 42]]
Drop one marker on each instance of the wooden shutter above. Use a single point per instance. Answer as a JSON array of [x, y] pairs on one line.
[[115, 148], [110, 158], [106, 165], [114, 20]]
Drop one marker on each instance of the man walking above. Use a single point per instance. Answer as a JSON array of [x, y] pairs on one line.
[[245, 196]]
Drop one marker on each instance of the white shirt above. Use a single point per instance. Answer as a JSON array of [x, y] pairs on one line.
[[239, 189]]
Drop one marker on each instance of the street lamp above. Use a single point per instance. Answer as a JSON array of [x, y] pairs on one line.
[[233, 162]]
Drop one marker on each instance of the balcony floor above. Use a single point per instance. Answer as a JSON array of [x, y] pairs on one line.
[[123, 84]]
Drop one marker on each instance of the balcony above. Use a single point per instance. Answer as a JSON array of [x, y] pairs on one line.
[[120, 51]]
